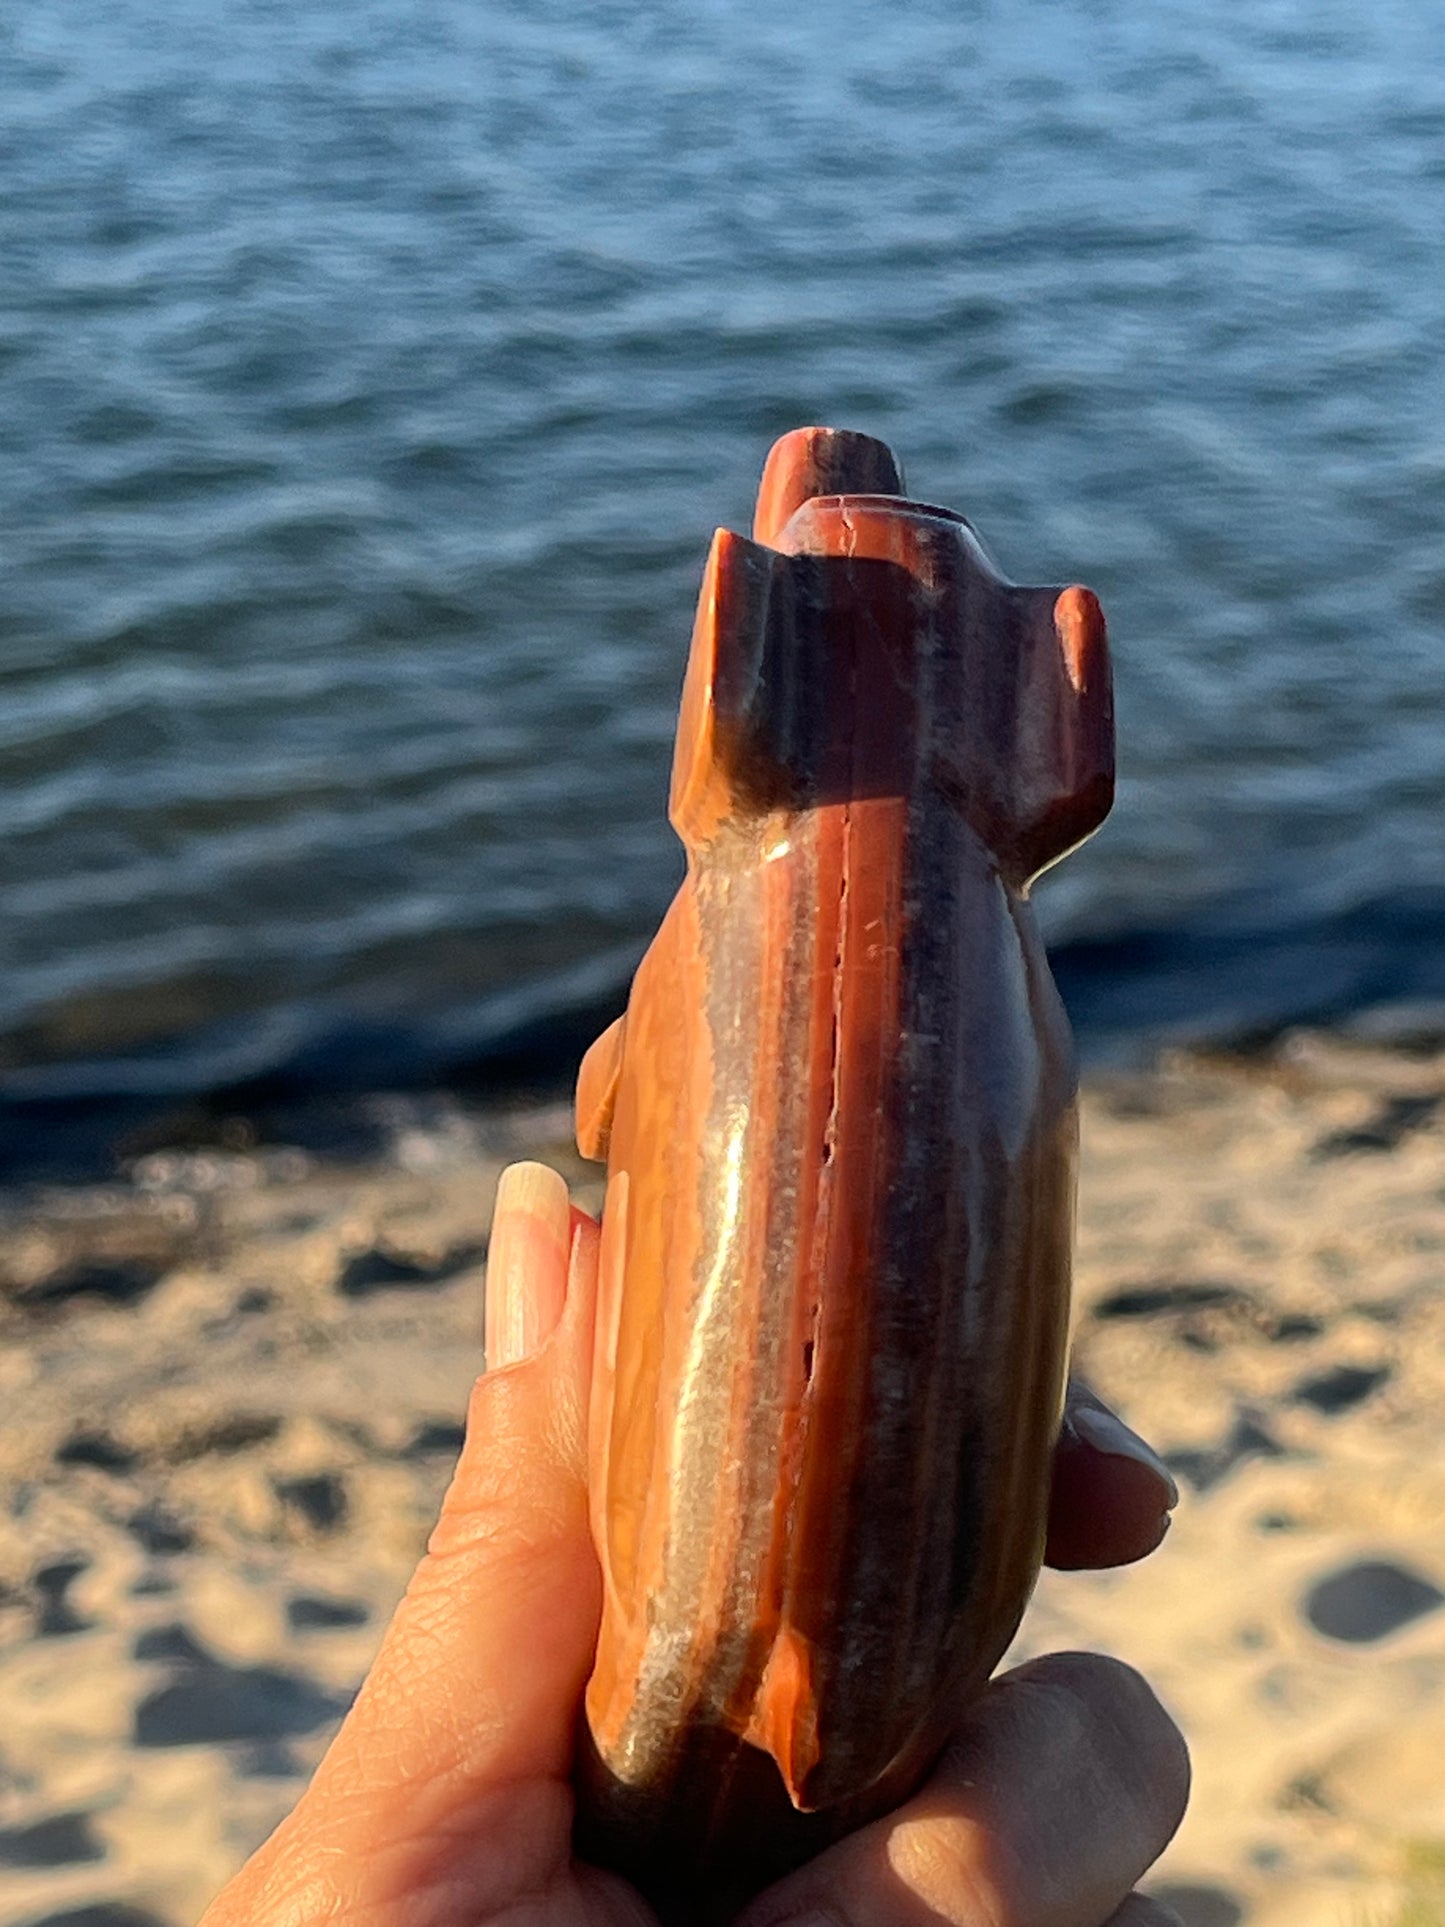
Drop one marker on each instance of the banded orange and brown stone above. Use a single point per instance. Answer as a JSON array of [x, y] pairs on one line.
[[838, 1118]]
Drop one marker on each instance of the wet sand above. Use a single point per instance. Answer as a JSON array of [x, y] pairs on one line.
[[233, 1389]]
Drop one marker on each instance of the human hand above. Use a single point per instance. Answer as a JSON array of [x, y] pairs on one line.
[[445, 1800]]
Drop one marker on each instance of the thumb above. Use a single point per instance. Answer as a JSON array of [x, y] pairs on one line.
[[452, 1767]]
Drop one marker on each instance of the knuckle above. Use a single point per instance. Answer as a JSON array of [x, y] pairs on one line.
[[1093, 1694], [1099, 1755], [941, 1862], [1136, 1754]]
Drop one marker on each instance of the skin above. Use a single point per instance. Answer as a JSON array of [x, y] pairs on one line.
[[445, 1799]]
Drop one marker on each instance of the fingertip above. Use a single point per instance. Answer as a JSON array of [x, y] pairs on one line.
[[528, 1261], [1101, 1516], [540, 1299], [1112, 1704], [1103, 1431], [1111, 1495]]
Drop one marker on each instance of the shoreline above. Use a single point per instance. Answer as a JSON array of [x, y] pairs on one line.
[[236, 1377], [1238, 976]]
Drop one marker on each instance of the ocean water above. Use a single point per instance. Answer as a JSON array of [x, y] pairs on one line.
[[372, 376]]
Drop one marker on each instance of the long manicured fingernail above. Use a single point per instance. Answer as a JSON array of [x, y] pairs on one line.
[[526, 1262], [1100, 1428]]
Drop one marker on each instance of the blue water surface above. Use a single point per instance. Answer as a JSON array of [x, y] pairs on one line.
[[373, 374]]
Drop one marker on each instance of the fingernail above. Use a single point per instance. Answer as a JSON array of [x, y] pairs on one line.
[[1110, 1435], [526, 1262]]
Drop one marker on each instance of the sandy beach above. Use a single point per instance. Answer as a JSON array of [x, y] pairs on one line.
[[233, 1386]]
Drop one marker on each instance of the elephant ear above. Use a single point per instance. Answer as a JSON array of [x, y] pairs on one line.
[[714, 774], [1060, 779]]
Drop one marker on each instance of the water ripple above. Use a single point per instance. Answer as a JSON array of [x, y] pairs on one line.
[[371, 378]]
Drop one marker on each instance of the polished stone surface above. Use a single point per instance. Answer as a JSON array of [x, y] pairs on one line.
[[839, 1124]]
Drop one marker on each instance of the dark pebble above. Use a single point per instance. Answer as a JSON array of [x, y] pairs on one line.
[[310, 1612], [215, 1703], [97, 1449], [321, 1500], [60, 1840], [1337, 1390], [1368, 1601], [57, 1618]]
